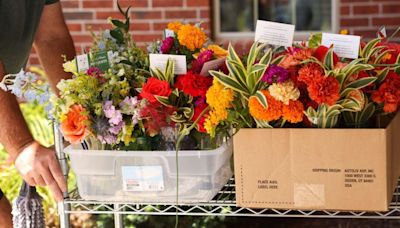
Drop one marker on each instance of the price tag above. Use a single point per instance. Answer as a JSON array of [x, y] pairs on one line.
[[159, 61], [142, 178], [345, 46], [274, 33]]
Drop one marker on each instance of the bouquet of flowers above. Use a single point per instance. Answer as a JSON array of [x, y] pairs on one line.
[[303, 86]]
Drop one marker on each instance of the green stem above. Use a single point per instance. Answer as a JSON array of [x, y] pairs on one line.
[[383, 65], [181, 135], [394, 34]]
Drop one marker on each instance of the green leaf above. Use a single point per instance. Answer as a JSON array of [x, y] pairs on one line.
[[232, 55], [163, 100], [120, 24], [278, 59], [262, 99], [374, 51], [262, 123], [266, 59], [381, 76], [328, 60], [237, 71], [117, 35], [255, 76], [371, 44], [362, 82], [315, 40], [251, 59], [379, 58], [368, 112], [229, 82]]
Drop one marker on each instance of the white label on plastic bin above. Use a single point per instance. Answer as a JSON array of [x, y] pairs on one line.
[[142, 178]]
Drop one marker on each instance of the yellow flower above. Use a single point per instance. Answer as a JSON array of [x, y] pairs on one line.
[[284, 91], [191, 37], [70, 66], [219, 98], [174, 26], [344, 32], [219, 52]]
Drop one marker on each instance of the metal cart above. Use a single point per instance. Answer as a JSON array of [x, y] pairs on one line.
[[223, 204]]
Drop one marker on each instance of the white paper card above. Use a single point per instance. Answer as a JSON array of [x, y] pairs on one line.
[[159, 61], [169, 33], [274, 33], [211, 65], [345, 46], [142, 178], [82, 62]]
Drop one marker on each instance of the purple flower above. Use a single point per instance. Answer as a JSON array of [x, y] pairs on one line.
[[114, 116], [275, 73], [203, 57], [167, 45], [107, 139], [129, 105], [117, 128]]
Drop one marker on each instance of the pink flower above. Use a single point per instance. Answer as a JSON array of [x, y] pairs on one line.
[[167, 45]]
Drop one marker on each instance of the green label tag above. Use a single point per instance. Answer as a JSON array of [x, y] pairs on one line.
[[99, 59]]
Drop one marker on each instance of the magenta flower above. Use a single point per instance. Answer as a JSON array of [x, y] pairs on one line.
[[96, 73], [203, 57], [167, 45], [275, 73]]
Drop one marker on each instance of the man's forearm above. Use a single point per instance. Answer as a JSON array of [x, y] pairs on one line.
[[14, 133], [50, 54]]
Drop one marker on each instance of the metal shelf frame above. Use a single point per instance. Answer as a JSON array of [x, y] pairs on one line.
[[223, 204]]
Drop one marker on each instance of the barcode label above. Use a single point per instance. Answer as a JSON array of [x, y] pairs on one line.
[[142, 178]]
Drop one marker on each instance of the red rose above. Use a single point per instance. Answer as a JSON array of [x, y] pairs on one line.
[[154, 87], [320, 54], [194, 84]]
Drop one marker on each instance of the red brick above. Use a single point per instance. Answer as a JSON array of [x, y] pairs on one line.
[[167, 3], [198, 2], [70, 4], [391, 8], [180, 14], [74, 27], [368, 33], [82, 38], [78, 15], [97, 26], [386, 21], [344, 1], [371, 9], [146, 37], [153, 14], [160, 25], [105, 15], [133, 3], [205, 14], [140, 26], [98, 4], [354, 22]]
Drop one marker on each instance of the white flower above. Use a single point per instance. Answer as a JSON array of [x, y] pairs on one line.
[[284, 91]]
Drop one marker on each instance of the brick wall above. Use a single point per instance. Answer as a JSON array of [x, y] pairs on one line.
[[149, 18]]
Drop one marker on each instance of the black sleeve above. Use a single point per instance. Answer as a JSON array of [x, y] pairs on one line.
[[48, 2]]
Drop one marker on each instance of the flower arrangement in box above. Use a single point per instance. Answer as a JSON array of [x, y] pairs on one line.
[[304, 86]]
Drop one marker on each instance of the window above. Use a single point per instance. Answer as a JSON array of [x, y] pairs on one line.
[[237, 18]]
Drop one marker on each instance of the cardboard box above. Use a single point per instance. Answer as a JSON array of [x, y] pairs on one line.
[[315, 169]]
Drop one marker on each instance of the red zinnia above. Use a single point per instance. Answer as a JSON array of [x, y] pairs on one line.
[[388, 93], [194, 84], [324, 90], [320, 54], [154, 87], [200, 106]]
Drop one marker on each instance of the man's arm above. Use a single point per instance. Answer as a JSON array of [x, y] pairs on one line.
[[38, 165], [52, 41]]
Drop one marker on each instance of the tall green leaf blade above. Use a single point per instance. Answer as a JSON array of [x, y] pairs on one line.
[[362, 82]]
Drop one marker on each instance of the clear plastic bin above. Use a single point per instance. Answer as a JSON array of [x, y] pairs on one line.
[[150, 176]]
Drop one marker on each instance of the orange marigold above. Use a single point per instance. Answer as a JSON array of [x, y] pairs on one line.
[[324, 90], [191, 37], [257, 110], [303, 54], [174, 26], [293, 112]]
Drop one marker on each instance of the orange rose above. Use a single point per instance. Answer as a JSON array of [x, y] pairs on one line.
[[74, 126]]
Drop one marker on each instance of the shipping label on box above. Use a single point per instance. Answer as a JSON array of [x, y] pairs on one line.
[[142, 178], [317, 169]]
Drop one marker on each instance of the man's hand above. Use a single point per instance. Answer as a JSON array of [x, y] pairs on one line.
[[39, 166]]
